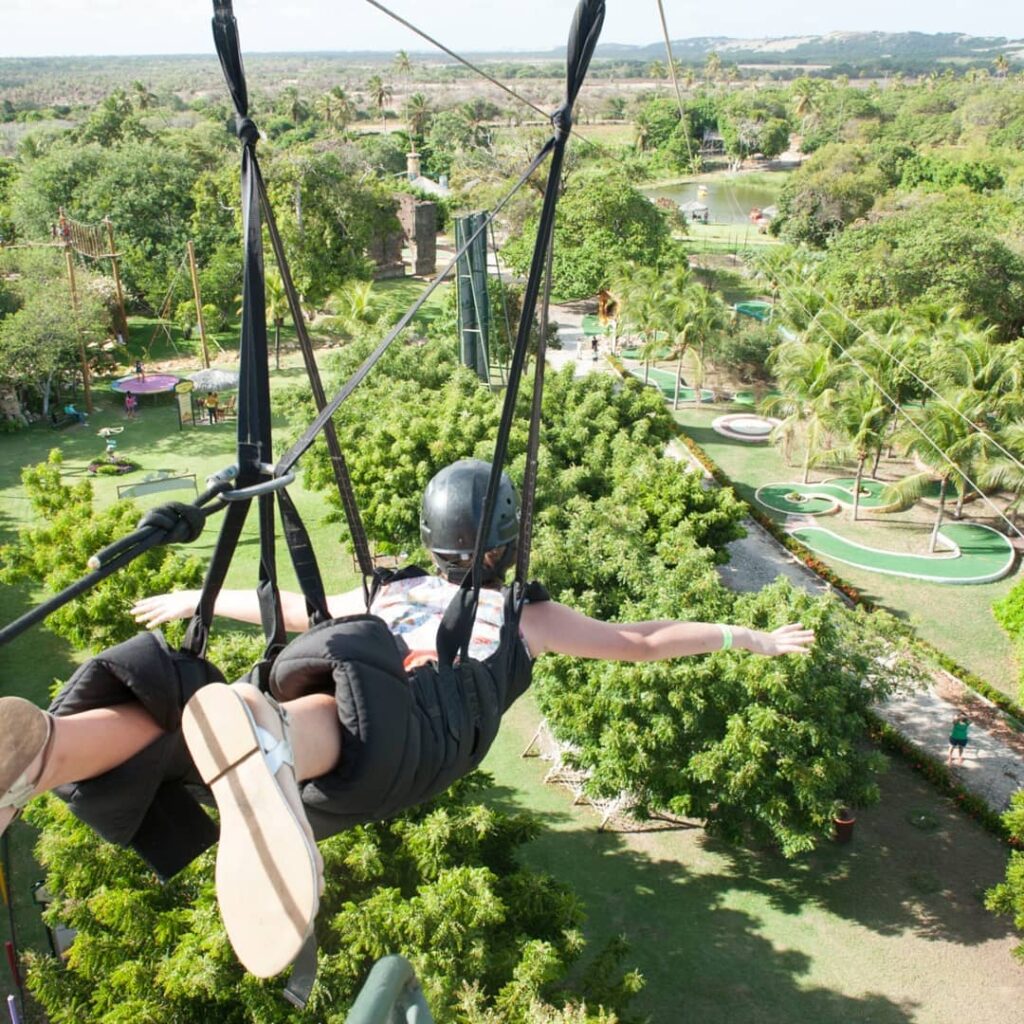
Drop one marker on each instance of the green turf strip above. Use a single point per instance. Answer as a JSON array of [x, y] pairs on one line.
[[984, 554]]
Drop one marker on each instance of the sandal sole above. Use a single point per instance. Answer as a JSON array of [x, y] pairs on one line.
[[266, 873]]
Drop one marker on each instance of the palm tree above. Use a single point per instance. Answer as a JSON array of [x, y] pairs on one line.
[[1003, 472], [697, 316], [1001, 64], [859, 412], [417, 115], [712, 67], [806, 375], [380, 96], [277, 310], [941, 436], [643, 311], [344, 108], [402, 64], [805, 96], [144, 99], [656, 69], [295, 108]]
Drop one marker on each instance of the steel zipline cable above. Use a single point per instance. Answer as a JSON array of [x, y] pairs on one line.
[[472, 67]]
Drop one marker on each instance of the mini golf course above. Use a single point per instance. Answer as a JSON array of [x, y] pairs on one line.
[[826, 497], [823, 498], [665, 382], [974, 554]]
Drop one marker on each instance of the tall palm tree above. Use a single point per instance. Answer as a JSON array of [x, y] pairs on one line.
[[402, 64], [941, 437], [1003, 471], [344, 108], [806, 374], [417, 115], [656, 69], [144, 99], [697, 315], [380, 96], [858, 412], [277, 310]]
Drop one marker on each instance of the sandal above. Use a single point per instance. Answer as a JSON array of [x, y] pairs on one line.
[[269, 869], [25, 734]]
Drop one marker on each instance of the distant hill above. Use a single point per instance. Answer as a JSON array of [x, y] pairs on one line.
[[834, 48]]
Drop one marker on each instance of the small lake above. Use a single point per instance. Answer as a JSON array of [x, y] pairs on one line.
[[729, 201]]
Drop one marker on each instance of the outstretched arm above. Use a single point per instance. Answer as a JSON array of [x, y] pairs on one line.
[[549, 627], [240, 605]]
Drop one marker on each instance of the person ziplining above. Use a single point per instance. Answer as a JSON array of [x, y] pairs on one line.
[[353, 721], [389, 694]]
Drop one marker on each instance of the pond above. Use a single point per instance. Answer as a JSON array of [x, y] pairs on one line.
[[729, 200]]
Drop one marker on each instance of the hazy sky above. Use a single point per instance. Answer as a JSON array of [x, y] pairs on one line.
[[55, 27]]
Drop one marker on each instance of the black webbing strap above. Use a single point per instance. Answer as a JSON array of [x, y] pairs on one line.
[[453, 635], [173, 523], [360, 543], [533, 443], [297, 450], [303, 560]]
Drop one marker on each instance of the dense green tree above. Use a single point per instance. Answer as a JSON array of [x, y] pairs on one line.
[[441, 886], [832, 190], [66, 532], [935, 254], [327, 218], [1008, 897], [602, 221]]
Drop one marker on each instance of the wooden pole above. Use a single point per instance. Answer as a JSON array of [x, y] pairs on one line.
[[69, 259], [199, 302], [117, 279]]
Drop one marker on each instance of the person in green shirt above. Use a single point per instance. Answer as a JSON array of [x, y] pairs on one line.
[[958, 737]]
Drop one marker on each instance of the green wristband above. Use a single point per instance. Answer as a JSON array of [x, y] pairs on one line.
[[726, 636]]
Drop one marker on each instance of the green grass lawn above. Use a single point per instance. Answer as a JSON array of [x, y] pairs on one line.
[[956, 619], [29, 666], [888, 929]]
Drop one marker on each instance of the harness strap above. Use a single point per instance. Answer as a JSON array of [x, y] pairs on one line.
[[456, 627]]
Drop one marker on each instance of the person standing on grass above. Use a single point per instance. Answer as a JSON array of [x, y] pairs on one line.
[[212, 404], [958, 737], [131, 403]]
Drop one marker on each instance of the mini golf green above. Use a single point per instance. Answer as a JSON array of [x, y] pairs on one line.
[[665, 382], [978, 554], [592, 326], [796, 499], [820, 499]]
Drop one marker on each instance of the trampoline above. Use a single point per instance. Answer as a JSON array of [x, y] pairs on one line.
[[151, 384]]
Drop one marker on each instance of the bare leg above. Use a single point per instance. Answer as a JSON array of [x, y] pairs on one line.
[[315, 731], [92, 742]]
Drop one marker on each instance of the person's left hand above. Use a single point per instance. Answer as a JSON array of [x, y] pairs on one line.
[[790, 639]]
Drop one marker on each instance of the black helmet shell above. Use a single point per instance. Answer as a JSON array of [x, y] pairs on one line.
[[453, 505]]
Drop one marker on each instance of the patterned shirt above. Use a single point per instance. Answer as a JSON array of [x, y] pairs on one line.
[[413, 608]]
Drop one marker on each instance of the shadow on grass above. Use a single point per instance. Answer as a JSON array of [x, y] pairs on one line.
[[711, 958]]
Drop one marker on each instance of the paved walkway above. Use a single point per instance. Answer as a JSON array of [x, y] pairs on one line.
[[994, 766]]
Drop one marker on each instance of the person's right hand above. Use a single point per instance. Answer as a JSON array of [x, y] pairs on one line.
[[152, 611]]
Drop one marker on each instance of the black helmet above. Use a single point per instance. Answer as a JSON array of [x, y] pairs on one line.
[[453, 504]]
